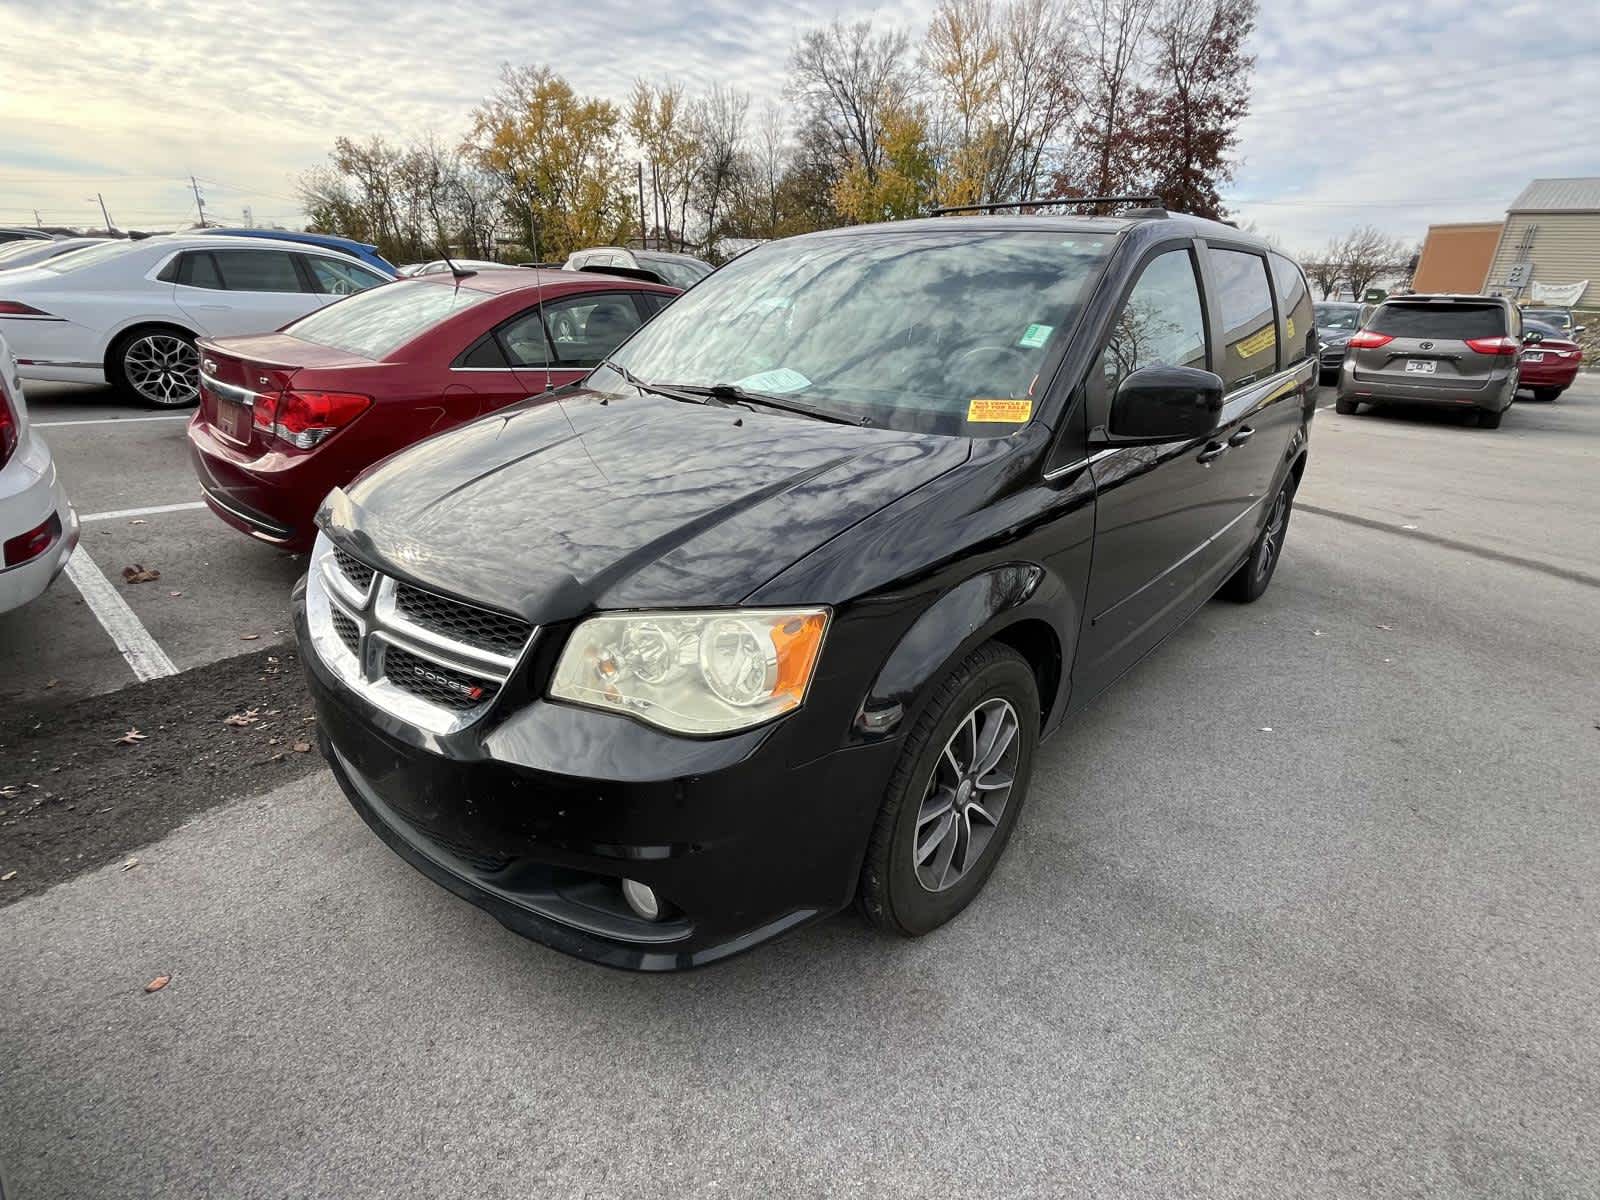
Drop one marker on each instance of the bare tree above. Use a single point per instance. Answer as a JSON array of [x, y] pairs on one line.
[[1116, 33], [850, 81], [720, 137], [1364, 254], [1324, 269]]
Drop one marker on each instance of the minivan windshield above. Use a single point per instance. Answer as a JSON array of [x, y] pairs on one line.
[[1338, 316], [934, 330], [379, 320]]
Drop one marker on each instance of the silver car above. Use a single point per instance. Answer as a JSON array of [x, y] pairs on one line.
[[1457, 352]]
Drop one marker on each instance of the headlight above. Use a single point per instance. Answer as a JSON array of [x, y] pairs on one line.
[[693, 672]]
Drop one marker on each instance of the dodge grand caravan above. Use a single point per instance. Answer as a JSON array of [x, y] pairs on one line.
[[771, 612]]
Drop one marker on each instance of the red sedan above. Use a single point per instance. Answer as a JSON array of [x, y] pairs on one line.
[[285, 417], [1549, 366]]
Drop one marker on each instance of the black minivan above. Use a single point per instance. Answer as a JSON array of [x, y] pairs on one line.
[[771, 613]]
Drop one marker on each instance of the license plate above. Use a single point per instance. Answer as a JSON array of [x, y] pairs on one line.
[[233, 419], [1533, 356], [1419, 366]]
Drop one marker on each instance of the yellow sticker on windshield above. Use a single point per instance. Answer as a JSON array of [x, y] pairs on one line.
[[1008, 412]]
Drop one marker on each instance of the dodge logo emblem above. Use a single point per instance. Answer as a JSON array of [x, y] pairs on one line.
[[1426, 345]]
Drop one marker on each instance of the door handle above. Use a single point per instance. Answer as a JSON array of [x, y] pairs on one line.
[[1212, 452], [1243, 435]]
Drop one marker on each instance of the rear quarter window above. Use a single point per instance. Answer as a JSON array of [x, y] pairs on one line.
[[1249, 326], [1456, 322], [1294, 301]]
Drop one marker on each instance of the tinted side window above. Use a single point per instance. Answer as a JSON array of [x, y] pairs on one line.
[[1444, 320], [1249, 329], [257, 270], [524, 341], [340, 278], [586, 329], [485, 354], [1294, 299], [198, 269], [1162, 324]]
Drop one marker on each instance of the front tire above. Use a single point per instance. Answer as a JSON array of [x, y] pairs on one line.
[[955, 794], [1249, 582], [156, 365]]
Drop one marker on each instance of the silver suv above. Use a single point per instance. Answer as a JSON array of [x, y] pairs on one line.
[[1451, 351]]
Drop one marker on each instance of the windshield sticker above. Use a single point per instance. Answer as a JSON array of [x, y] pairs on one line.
[[1257, 342], [778, 380], [1036, 335], [1007, 412]]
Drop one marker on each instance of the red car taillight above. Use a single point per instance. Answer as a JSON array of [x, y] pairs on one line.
[[8, 428], [1494, 345], [1365, 339], [307, 419], [35, 542], [16, 308]]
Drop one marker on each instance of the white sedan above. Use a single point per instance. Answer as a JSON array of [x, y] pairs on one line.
[[38, 529], [128, 313]]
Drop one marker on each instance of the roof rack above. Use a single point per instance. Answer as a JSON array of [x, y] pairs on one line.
[[1144, 205]]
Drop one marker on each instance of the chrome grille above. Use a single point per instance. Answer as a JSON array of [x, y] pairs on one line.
[[353, 569], [435, 662], [434, 682], [348, 631], [491, 631]]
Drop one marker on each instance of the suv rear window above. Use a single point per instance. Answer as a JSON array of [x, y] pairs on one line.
[[1454, 321], [377, 321]]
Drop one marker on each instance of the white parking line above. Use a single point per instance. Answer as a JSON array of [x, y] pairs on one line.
[[128, 634], [104, 421], [118, 513]]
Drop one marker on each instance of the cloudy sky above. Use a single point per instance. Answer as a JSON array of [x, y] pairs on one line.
[[1391, 113]]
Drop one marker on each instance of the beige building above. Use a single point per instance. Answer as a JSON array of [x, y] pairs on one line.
[[1551, 240], [1456, 258]]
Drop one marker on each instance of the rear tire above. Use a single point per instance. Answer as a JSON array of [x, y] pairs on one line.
[[1490, 420], [1249, 582], [1547, 395], [157, 366], [1347, 408], [931, 851]]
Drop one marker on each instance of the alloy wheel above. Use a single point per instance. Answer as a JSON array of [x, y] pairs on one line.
[[163, 368], [1272, 535], [967, 795]]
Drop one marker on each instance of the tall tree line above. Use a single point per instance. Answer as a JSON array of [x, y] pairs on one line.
[[994, 100]]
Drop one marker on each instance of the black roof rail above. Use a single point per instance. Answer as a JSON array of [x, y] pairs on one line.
[[1138, 205]]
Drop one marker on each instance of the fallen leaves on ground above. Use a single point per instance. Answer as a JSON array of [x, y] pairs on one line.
[[248, 637], [132, 738], [130, 864], [159, 982], [8, 876], [301, 747], [247, 717], [139, 573]]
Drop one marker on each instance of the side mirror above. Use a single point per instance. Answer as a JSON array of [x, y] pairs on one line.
[[1577, 329], [1164, 404], [1532, 338]]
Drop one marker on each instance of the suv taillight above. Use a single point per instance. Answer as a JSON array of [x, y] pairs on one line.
[[8, 428], [1365, 339], [1494, 345], [307, 419]]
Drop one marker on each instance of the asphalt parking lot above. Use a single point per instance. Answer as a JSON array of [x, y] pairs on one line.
[[1306, 906]]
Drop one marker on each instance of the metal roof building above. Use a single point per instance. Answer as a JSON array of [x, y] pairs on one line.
[[1549, 249]]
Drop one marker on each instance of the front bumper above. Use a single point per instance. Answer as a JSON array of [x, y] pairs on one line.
[[537, 811]]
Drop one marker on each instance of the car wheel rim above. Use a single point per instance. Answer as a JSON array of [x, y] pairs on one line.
[[164, 369], [967, 795], [1272, 536]]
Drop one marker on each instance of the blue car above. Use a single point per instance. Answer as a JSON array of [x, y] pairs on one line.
[[367, 254]]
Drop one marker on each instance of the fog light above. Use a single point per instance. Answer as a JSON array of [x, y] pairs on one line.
[[642, 900]]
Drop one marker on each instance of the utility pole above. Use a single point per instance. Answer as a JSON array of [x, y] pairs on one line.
[[37, 219], [644, 234], [199, 205], [103, 211]]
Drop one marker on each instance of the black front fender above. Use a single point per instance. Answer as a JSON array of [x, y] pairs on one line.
[[977, 610]]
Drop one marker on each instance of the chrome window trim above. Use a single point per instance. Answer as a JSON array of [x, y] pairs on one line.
[[230, 391]]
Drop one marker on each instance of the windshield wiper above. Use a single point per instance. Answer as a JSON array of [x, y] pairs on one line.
[[671, 393], [732, 391]]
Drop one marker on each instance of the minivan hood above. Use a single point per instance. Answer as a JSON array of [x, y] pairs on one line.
[[552, 509]]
